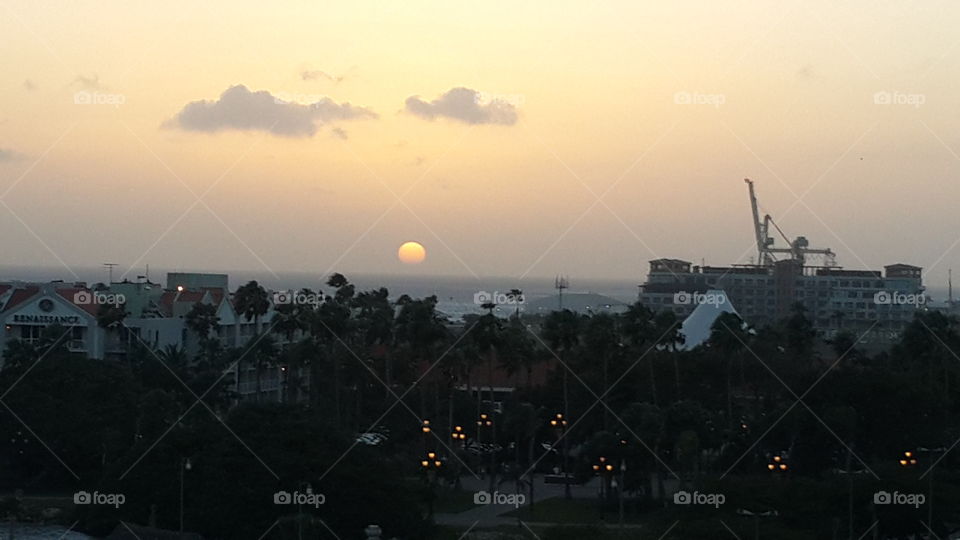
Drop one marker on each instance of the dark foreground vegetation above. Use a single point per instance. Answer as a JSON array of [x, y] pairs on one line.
[[165, 429]]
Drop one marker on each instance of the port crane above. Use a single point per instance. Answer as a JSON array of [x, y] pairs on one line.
[[767, 252]]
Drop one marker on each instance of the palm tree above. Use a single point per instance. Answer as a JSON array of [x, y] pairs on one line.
[[264, 354], [728, 338], [251, 301], [519, 353], [561, 329], [646, 422], [488, 337], [333, 326], [203, 320], [638, 330], [602, 339], [110, 317], [375, 320], [667, 329], [419, 329]]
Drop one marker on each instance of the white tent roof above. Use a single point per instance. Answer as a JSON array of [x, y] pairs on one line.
[[697, 327]]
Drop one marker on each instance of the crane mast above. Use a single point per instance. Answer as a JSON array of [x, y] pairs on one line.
[[798, 249]]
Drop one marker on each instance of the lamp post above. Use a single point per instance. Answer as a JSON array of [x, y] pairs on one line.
[[559, 422], [602, 468], [486, 420], [620, 486], [185, 465], [909, 460], [430, 465]]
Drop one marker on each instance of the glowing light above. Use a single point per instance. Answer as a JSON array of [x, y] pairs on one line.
[[412, 253]]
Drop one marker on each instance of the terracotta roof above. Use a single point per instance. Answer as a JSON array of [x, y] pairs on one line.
[[68, 295], [20, 296], [216, 294]]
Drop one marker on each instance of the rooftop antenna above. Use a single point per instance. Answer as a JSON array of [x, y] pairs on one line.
[[109, 267], [560, 283]]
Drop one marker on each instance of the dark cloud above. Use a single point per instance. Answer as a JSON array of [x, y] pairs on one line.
[[465, 105], [239, 108], [339, 133]]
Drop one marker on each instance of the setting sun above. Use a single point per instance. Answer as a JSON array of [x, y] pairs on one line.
[[411, 253]]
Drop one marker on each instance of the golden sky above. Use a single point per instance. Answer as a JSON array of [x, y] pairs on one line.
[[599, 134]]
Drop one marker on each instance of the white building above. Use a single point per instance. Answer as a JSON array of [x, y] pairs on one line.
[[26, 309], [156, 319]]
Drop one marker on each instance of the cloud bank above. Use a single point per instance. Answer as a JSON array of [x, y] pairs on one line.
[[240, 109], [464, 105]]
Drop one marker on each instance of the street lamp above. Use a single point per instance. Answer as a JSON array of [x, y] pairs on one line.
[[778, 464], [559, 422], [908, 459], [486, 420], [430, 464], [185, 465], [601, 467], [425, 427], [458, 434]]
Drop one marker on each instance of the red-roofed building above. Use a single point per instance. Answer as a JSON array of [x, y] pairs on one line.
[[26, 309]]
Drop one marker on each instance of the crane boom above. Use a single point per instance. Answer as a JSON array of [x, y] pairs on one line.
[[798, 249]]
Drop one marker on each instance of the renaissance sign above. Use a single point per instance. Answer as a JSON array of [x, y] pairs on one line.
[[47, 319]]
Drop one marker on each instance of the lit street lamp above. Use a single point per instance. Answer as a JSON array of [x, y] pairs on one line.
[[430, 464], [778, 464], [486, 421], [559, 422]]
